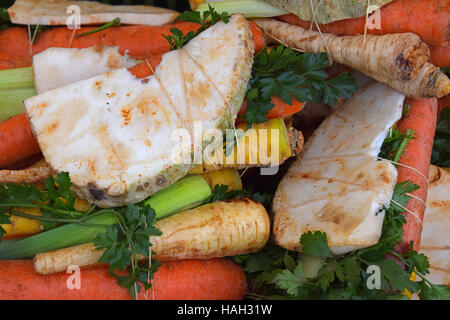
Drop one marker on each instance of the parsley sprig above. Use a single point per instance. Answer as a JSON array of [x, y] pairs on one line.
[[280, 274], [288, 74], [205, 19], [126, 240]]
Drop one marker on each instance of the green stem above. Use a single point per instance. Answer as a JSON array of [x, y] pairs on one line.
[[182, 195], [112, 23], [408, 136]]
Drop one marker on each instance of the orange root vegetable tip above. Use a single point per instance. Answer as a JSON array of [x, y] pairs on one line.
[[216, 279], [440, 56], [426, 18], [422, 119], [283, 110], [280, 109], [17, 142], [143, 70]]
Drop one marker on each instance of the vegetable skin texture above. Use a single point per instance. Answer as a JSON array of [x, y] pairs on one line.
[[429, 19], [16, 140], [218, 279], [399, 60], [215, 230], [422, 119], [440, 56]]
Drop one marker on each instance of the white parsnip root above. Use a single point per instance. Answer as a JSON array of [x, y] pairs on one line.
[[399, 60], [218, 229]]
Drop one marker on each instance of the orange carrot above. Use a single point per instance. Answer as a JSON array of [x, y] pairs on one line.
[[17, 142], [140, 41], [181, 280], [11, 61], [426, 18], [142, 70], [280, 109], [422, 119], [440, 56]]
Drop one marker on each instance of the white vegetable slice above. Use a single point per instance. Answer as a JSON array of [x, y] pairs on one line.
[[337, 185], [57, 12], [113, 132], [435, 241], [57, 67]]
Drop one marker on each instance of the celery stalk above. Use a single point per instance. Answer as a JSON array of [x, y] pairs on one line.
[[11, 101], [249, 8], [16, 78], [184, 194]]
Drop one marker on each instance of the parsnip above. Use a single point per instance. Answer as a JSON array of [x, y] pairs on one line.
[[399, 60], [218, 229]]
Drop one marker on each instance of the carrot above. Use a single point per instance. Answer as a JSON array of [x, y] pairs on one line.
[[440, 56], [143, 70], [280, 109], [181, 280], [399, 60], [426, 18], [140, 41], [17, 142], [11, 61], [422, 119]]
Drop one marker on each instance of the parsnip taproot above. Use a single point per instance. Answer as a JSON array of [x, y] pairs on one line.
[[399, 60], [218, 229]]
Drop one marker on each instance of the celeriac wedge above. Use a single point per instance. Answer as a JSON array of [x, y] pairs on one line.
[[435, 243], [57, 67], [113, 132], [337, 185]]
